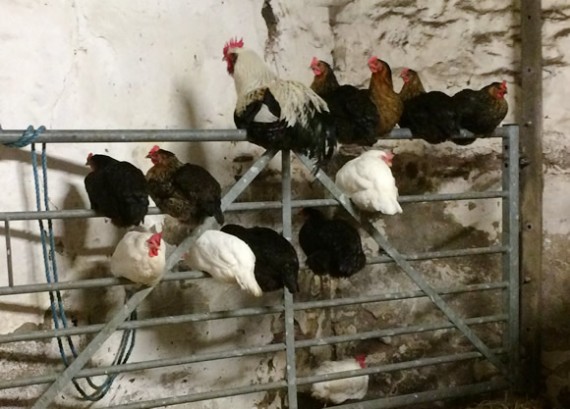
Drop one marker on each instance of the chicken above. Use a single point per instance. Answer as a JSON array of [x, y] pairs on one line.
[[387, 101], [429, 115], [226, 258], [481, 111], [278, 114], [276, 261], [185, 191], [139, 257], [117, 190], [332, 247], [340, 390], [354, 114], [369, 183]]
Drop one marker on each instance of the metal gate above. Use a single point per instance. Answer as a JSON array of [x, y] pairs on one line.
[[505, 358]]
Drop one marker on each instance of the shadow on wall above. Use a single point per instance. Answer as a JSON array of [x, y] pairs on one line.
[[23, 155]]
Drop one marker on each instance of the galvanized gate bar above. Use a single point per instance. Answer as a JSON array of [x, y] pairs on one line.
[[195, 275], [287, 296], [245, 206], [170, 135], [389, 332], [65, 377], [9, 252], [398, 366], [176, 400], [243, 312], [427, 396], [144, 365], [255, 350], [510, 223], [128, 135], [407, 267]]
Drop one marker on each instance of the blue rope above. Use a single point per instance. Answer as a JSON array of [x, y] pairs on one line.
[[57, 309], [29, 136]]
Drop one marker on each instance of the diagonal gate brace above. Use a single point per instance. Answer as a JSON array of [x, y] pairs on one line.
[[73, 369], [406, 266]]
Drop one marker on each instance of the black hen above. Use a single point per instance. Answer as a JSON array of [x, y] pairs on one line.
[[276, 261], [481, 111], [332, 246], [429, 115], [117, 190], [354, 113]]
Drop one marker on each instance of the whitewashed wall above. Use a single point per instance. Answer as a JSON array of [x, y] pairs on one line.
[[104, 64]]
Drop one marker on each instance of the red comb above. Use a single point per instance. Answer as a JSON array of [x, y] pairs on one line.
[[504, 84], [155, 238], [314, 61], [404, 72], [233, 43], [154, 149], [89, 156], [372, 59]]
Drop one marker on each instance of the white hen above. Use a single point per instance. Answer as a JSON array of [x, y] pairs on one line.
[[139, 257], [369, 183], [339, 390], [226, 258]]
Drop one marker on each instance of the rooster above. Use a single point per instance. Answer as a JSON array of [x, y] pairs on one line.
[[278, 114], [332, 247], [185, 191], [369, 183], [354, 113], [116, 190], [388, 102], [429, 115], [226, 258], [481, 111], [276, 261], [340, 390], [139, 257]]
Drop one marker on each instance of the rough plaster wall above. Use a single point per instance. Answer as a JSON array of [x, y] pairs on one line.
[[103, 64], [556, 202]]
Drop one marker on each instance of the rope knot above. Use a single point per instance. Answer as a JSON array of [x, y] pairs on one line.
[[28, 137]]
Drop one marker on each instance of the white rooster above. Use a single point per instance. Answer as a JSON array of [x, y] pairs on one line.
[[226, 258], [339, 390], [369, 183], [139, 257], [278, 114]]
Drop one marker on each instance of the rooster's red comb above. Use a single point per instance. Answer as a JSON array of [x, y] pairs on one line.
[[233, 43], [314, 61], [154, 149]]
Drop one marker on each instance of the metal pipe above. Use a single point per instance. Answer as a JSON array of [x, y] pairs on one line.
[[243, 312], [391, 332], [128, 135], [249, 206], [429, 255], [343, 302], [406, 266], [170, 135], [146, 323], [398, 366], [511, 258], [176, 400], [145, 365], [427, 396], [291, 367], [9, 253]]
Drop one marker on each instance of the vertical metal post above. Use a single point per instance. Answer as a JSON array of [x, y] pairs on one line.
[[287, 296], [9, 253], [510, 229], [531, 190]]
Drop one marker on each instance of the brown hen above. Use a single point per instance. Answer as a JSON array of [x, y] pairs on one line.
[[184, 191], [388, 102]]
